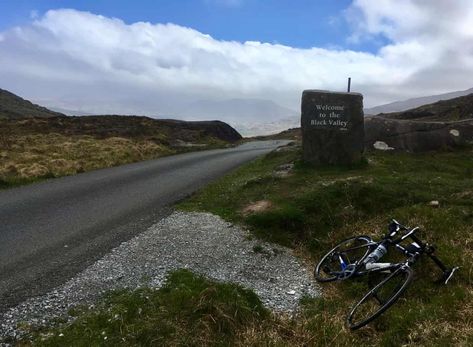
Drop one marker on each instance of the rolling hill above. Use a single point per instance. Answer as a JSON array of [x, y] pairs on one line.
[[399, 106], [14, 107], [445, 124], [459, 108], [37, 143], [36, 119]]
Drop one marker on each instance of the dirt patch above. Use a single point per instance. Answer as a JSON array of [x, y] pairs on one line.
[[258, 206]]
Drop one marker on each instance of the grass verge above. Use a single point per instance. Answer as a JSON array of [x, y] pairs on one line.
[[35, 157], [312, 209], [187, 310], [316, 207]]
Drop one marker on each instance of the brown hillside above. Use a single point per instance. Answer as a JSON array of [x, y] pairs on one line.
[[36, 143], [38, 148], [14, 107], [460, 108], [166, 132], [21, 117]]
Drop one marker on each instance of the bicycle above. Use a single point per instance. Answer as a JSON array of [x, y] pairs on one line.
[[358, 256]]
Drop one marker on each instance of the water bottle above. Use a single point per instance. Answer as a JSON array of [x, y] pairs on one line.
[[376, 254]]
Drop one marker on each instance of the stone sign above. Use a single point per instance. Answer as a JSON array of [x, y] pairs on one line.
[[332, 127]]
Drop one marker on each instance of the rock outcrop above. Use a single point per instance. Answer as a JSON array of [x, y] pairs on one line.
[[443, 124], [416, 136]]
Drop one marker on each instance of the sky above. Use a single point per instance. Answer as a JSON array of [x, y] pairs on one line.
[[152, 57]]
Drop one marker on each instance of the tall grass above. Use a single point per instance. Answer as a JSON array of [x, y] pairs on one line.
[[30, 158]]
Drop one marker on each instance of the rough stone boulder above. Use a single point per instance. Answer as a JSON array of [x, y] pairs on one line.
[[332, 127], [416, 136]]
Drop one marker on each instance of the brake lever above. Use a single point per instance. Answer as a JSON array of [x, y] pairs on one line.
[[408, 234]]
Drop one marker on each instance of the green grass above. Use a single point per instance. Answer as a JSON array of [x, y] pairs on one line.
[[12, 182], [318, 206], [312, 210], [187, 310]]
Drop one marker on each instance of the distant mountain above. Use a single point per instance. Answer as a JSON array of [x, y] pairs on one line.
[[249, 116], [236, 110], [68, 112], [455, 109], [400, 106], [169, 132], [14, 107], [249, 129]]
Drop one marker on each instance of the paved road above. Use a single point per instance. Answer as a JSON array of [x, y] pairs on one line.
[[52, 230]]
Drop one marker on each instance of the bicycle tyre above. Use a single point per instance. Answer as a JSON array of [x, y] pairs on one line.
[[404, 274], [327, 263]]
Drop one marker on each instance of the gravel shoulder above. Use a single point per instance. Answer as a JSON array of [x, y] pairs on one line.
[[201, 242]]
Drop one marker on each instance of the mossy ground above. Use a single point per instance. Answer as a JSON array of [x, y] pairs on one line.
[[314, 208]]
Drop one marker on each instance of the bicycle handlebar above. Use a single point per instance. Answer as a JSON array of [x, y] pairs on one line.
[[393, 228], [410, 233]]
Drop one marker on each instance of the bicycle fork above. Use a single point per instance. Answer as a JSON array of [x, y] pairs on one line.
[[447, 272], [429, 250]]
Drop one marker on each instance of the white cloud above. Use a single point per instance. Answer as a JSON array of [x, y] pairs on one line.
[[432, 40], [91, 62]]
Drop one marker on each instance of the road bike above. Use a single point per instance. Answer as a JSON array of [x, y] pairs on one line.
[[358, 256]]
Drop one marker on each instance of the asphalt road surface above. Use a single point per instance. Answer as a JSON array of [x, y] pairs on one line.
[[51, 230]]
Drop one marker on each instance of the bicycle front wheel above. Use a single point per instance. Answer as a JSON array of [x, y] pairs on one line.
[[337, 263], [380, 297]]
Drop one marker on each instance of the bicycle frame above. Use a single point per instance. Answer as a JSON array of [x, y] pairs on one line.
[[359, 256], [412, 257]]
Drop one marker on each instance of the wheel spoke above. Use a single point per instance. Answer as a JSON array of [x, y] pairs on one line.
[[337, 263], [380, 297]]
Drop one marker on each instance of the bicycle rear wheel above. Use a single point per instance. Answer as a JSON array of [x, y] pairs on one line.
[[342, 260], [380, 297]]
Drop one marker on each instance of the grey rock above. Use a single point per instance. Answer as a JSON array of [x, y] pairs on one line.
[[382, 146], [417, 136], [283, 170], [332, 127]]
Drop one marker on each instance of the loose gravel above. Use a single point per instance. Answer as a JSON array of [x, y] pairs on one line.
[[201, 242]]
